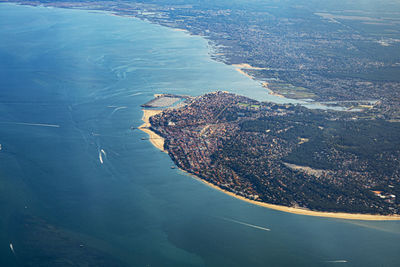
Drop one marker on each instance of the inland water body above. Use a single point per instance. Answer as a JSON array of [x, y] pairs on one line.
[[71, 85]]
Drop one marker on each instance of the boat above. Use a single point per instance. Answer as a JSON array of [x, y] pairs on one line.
[[12, 248], [100, 158]]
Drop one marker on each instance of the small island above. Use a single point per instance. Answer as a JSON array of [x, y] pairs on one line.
[[286, 157]]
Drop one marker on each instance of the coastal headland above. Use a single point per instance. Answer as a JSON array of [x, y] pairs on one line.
[[206, 153], [156, 106]]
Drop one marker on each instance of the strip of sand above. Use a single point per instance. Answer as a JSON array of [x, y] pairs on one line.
[[158, 142], [155, 139], [337, 215], [240, 67], [179, 30], [244, 73], [247, 66], [265, 85]]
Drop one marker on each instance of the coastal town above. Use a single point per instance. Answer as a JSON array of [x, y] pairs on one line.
[[283, 154], [200, 133]]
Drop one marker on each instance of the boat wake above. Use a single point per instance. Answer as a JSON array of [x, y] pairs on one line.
[[246, 224], [33, 124], [101, 153], [337, 261], [118, 108], [135, 94], [101, 158]]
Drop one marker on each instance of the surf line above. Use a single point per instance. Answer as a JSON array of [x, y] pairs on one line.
[[32, 124], [246, 224]]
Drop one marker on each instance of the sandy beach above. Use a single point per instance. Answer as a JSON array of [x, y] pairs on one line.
[[180, 30], [154, 138], [244, 73], [240, 67], [247, 66], [158, 142], [337, 215], [265, 85]]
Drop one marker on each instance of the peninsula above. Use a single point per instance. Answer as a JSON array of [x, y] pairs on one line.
[[286, 157]]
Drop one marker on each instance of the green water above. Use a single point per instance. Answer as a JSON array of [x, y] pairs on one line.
[[84, 75]]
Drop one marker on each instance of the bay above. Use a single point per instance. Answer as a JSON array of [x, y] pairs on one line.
[[71, 85]]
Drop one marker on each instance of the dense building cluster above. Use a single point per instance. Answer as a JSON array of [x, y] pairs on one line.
[[285, 154]]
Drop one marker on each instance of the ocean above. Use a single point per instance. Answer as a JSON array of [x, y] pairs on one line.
[[71, 86]]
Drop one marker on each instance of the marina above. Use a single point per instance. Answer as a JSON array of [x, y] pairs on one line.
[[165, 100]]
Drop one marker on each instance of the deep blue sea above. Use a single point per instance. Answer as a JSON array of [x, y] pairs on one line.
[[71, 85]]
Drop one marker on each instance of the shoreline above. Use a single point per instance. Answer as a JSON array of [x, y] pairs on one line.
[[247, 66], [154, 138], [299, 211], [244, 73], [240, 68], [158, 142], [179, 30], [265, 85]]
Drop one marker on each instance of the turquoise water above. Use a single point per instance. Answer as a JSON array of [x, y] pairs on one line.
[[71, 84]]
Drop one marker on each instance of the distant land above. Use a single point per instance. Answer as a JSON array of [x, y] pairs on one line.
[[339, 52], [307, 160]]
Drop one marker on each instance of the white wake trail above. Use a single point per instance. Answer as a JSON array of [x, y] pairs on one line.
[[101, 153], [116, 109], [101, 157], [33, 124], [247, 224], [135, 94]]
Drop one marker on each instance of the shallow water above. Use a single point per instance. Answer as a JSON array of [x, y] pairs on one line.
[[86, 74]]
